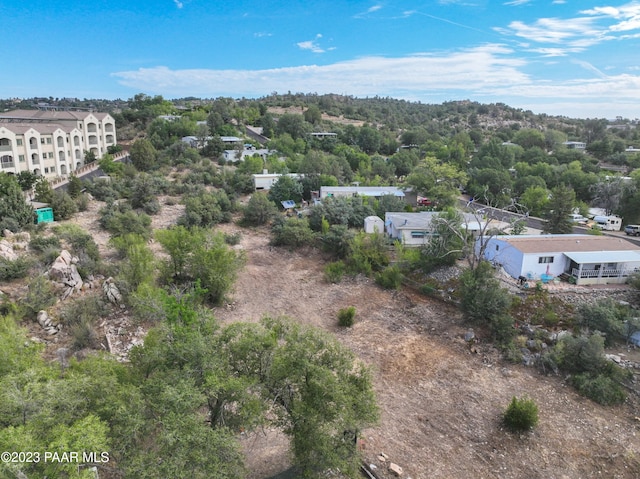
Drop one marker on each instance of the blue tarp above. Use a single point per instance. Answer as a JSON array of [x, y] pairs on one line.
[[288, 204]]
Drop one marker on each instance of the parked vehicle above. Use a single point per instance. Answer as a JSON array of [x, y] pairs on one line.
[[577, 218], [632, 230], [607, 223]]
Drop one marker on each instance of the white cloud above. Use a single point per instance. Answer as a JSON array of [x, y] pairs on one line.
[[178, 3], [594, 26], [375, 8], [514, 3], [481, 67], [312, 45], [486, 74]]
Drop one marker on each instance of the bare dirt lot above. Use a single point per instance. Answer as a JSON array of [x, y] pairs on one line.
[[440, 403]]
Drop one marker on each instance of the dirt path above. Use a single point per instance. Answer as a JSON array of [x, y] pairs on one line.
[[440, 403]]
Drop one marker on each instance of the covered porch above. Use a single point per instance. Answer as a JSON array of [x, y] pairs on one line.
[[602, 267]]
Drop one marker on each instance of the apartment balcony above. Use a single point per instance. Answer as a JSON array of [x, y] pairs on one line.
[[5, 148], [8, 164]]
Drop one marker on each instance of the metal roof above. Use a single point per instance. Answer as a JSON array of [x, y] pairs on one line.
[[599, 257], [571, 242]]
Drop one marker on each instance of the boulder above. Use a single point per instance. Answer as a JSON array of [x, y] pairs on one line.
[[395, 469], [64, 271], [6, 251], [111, 291], [43, 319]]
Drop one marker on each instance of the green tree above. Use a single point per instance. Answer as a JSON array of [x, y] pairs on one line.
[[62, 205], [216, 266], [285, 188], [206, 209], [521, 414], [484, 301], [89, 157], [324, 397], [535, 198], [294, 232], [74, 187], [259, 210], [559, 207], [43, 191], [438, 181], [179, 242], [13, 204], [26, 180], [143, 154]]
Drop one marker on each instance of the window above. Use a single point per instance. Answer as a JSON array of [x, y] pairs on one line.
[[42, 141], [417, 234], [21, 158], [19, 141], [545, 259], [46, 170], [48, 141], [51, 154]]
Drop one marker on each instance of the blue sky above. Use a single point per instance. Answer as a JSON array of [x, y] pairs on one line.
[[579, 58]]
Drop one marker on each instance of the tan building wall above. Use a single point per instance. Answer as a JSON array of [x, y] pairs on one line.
[[52, 143]]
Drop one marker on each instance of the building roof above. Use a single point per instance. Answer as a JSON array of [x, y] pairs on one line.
[[51, 115], [401, 220], [572, 243], [364, 190], [605, 257]]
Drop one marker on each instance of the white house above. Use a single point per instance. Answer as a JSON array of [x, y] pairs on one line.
[[232, 155], [415, 229], [588, 259], [370, 191], [264, 181]]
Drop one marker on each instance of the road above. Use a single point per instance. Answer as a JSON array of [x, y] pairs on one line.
[[531, 221]]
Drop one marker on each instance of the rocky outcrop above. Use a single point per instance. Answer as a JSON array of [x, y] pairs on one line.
[[45, 322], [64, 272], [112, 292]]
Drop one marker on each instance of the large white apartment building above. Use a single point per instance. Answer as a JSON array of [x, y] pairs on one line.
[[52, 143]]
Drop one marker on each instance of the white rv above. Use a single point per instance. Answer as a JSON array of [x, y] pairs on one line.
[[608, 223]]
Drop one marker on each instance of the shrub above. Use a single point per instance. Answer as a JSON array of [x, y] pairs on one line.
[[368, 254], [64, 207], [599, 388], [482, 296], [347, 316], [121, 219], [390, 277], [294, 232], [233, 239], [259, 211], [18, 268], [521, 414], [84, 335], [85, 309], [74, 186], [40, 295], [207, 209], [82, 202], [337, 240], [333, 272]]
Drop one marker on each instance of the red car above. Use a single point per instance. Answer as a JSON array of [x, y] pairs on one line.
[[422, 201]]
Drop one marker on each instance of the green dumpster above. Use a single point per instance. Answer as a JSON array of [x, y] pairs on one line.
[[45, 215]]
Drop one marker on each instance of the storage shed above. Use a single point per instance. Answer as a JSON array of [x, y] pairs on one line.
[[373, 224], [44, 215]]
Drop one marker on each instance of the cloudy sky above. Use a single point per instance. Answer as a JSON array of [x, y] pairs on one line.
[[579, 58]]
